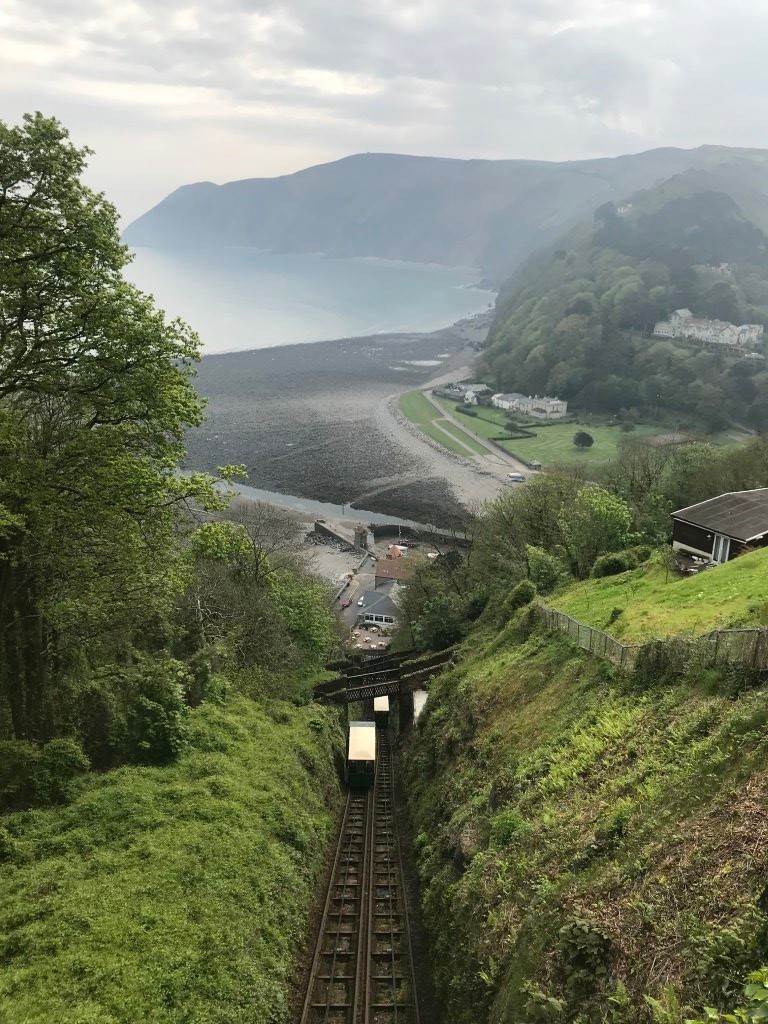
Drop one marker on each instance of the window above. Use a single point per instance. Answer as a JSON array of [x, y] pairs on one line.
[[721, 549]]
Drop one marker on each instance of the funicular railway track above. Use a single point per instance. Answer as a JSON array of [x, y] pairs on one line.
[[362, 972], [390, 985]]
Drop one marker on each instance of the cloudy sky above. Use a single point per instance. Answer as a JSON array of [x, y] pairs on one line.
[[172, 91]]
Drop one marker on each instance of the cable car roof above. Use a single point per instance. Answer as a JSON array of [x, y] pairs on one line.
[[362, 741]]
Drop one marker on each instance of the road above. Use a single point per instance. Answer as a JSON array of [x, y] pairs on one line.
[[499, 456], [362, 581]]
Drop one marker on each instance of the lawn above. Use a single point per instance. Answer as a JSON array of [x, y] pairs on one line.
[[554, 442], [419, 410], [653, 603]]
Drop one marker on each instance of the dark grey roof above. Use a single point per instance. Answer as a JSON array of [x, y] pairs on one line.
[[379, 603], [742, 515]]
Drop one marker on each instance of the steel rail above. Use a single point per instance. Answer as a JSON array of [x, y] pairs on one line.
[[334, 990], [390, 996]]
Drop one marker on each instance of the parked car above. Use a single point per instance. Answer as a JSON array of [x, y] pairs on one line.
[[361, 602], [516, 478], [346, 602]]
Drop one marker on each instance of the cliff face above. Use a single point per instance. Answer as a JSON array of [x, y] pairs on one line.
[[482, 213]]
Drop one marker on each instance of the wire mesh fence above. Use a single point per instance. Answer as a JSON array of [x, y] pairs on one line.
[[747, 646]]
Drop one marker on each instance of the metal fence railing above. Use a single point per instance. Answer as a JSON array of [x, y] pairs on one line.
[[747, 646]]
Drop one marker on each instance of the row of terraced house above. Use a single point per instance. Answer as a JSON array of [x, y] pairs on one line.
[[683, 324]]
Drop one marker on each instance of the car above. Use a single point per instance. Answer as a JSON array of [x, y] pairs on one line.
[[346, 602], [516, 478], [361, 602]]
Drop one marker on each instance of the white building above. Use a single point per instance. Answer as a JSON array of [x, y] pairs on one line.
[[683, 324], [540, 408]]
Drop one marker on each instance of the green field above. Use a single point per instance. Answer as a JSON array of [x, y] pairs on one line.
[[554, 442], [419, 410], [655, 603]]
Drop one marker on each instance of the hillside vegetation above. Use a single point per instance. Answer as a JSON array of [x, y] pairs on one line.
[[654, 601], [176, 893], [592, 844], [165, 797], [483, 213], [577, 320], [597, 841]]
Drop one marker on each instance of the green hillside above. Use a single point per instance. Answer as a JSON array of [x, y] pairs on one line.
[[576, 321], [653, 601], [591, 847], [178, 893]]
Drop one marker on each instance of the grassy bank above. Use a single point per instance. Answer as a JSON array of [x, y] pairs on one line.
[[173, 894], [419, 410], [586, 841], [654, 602]]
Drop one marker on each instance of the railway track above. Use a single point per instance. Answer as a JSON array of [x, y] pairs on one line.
[[362, 971], [390, 984]]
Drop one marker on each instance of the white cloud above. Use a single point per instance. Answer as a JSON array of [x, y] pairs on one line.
[[168, 91]]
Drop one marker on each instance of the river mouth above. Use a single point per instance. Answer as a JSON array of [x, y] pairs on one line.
[[303, 420]]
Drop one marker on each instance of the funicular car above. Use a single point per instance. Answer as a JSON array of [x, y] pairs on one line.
[[361, 755]]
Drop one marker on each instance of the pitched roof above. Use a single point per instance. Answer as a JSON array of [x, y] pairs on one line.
[[395, 569], [378, 604], [742, 515]]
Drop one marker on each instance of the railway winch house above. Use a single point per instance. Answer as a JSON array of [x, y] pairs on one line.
[[723, 527]]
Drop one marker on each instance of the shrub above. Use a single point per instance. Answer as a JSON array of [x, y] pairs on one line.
[[585, 950], [31, 774], [521, 595], [476, 605], [155, 729], [18, 762], [544, 570], [612, 564], [60, 762], [621, 561], [505, 826]]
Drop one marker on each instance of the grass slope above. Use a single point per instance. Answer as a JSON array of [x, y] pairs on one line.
[[656, 603], [419, 410], [585, 840], [173, 894]]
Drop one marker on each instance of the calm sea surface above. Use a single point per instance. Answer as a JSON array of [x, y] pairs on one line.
[[243, 299]]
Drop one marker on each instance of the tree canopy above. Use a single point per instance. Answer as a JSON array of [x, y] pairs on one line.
[[577, 321], [95, 396]]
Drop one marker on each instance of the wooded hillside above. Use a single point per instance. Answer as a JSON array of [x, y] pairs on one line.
[[577, 320]]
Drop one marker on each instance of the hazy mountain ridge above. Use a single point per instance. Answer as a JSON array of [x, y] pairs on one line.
[[485, 213]]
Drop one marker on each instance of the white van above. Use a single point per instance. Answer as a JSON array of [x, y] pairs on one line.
[[516, 478]]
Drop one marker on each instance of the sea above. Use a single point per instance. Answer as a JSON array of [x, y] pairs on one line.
[[239, 298]]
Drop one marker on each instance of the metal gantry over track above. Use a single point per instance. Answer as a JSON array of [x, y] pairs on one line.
[[362, 971]]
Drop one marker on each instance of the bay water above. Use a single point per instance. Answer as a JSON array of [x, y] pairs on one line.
[[240, 298]]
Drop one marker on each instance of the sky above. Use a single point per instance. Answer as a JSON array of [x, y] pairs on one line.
[[172, 91]]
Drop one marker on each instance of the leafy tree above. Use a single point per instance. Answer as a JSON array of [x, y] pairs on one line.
[[597, 522], [544, 570], [441, 623], [583, 440], [95, 396]]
